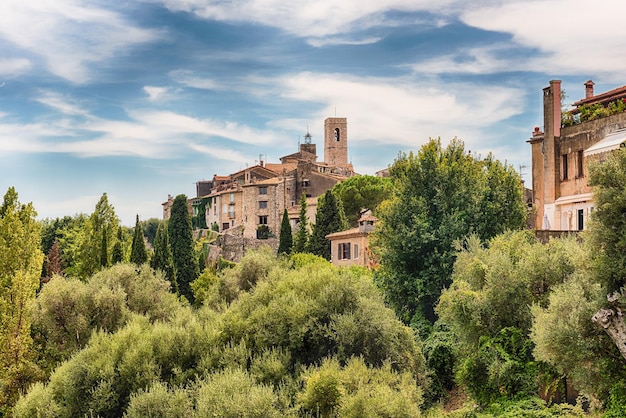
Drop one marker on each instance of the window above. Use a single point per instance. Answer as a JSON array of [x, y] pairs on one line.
[[263, 204], [564, 170], [306, 183], [337, 134], [263, 190], [263, 220], [356, 251], [581, 219], [343, 251], [225, 226], [579, 164], [232, 198]]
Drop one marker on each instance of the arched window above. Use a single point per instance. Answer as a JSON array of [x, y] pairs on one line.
[[337, 134]]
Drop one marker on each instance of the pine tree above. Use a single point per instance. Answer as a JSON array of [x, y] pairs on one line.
[[302, 233], [53, 260], [181, 242], [138, 253], [329, 218], [162, 257], [117, 256], [286, 239]]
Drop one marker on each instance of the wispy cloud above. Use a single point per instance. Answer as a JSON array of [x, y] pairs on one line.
[[571, 36], [190, 79], [61, 103], [155, 93], [317, 19], [50, 30], [10, 67]]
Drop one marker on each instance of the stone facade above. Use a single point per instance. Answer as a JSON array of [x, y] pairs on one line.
[[259, 195], [351, 247], [562, 197]]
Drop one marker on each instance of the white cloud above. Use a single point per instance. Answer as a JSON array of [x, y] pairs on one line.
[[406, 111], [61, 103], [10, 67], [189, 79], [156, 93], [68, 34], [310, 19], [571, 36]]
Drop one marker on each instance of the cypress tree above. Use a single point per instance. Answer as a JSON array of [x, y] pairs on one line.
[[117, 256], [138, 253], [329, 218], [162, 257], [286, 239], [181, 242], [104, 256], [302, 233]]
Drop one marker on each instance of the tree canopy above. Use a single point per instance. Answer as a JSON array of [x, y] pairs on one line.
[[441, 195], [329, 218], [362, 192], [138, 253], [286, 238]]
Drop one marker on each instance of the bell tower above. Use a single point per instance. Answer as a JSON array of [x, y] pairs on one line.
[[336, 141]]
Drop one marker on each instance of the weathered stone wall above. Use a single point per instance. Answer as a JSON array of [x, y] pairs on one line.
[[233, 247]]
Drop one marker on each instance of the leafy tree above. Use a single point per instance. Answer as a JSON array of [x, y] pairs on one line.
[[150, 227], [181, 242], [138, 253], [362, 192], [286, 238], [52, 263], [302, 232], [328, 219], [21, 262], [440, 196], [487, 308], [117, 256], [162, 256], [103, 221]]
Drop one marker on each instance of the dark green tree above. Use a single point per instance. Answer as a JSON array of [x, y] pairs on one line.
[[104, 253], [286, 238], [149, 227], [302, 231], [117, 256], [181, 242], [162, 256], [329, 218], [138, 253], [441, 195], [362, 192]]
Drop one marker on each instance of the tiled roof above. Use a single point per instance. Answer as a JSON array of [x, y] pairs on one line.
[[348, 233], [610, 95]]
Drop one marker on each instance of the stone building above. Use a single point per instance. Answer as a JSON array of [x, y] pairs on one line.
[[562, 197], [351, 247], [258, 195]]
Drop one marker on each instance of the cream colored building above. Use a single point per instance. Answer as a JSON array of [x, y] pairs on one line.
[[351, 247], [562, 197]]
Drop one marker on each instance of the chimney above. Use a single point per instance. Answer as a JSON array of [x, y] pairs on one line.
[[537, 132], [589, 89]]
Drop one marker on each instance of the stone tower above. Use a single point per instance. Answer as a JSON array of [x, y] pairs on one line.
[[336, 142]]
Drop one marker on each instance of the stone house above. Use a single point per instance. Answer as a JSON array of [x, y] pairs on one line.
[[562, 197], [258, 195], [351, 247]]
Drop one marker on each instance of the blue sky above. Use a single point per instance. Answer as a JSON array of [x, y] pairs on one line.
[[143, 98]]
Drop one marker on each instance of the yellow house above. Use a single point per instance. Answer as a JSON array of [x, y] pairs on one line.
[[351, 247]]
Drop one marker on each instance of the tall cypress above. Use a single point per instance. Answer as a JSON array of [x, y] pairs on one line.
[[302, 233], [104, 256], [329, 218], [117, 256], [162, 257], [138, 254], [181, 242], [286, 239]]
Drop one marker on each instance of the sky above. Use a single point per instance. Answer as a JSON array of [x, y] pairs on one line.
[[140, 99]]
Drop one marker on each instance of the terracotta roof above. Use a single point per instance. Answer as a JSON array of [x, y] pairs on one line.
[[366, 218], [348, 233], [273, 180], [608, 96], [279, 168]]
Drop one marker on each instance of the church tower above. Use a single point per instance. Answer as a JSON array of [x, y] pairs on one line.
[[336, 142]]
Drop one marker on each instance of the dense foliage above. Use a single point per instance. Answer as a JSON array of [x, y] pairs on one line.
[[301, 239], [285, 243], [441, 195], [329, 218], [181, 243], [138, 253], [21, 260], [285, 334], [362, 192]]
